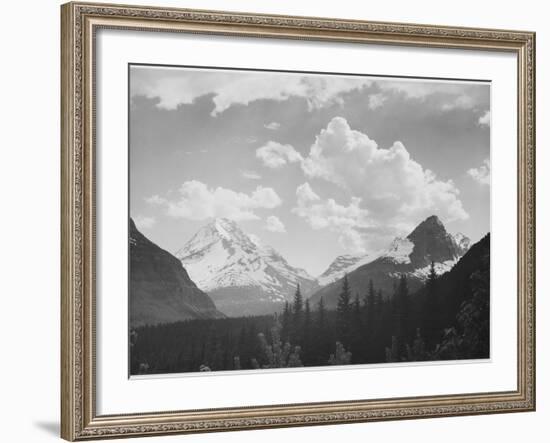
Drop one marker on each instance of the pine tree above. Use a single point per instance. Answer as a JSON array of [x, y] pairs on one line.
[[356, 328], [381, 328], [296, 317], [370, 304], [307, 312], [401, 314], [306, 332], [286, 323], [356, 311], [403, 301], [321, 315], [298, 307], [379, 300], [298, 301], [322, 332], [431, 318], [343, 310], [370, 316]]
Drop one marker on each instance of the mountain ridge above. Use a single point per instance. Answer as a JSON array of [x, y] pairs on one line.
[[160, 289]]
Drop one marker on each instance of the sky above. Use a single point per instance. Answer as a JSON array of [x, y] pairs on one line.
[[315, 165]]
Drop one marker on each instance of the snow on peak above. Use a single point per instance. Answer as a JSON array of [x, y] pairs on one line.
[[462, 242], [221, 255], [341, 265], [225, 226], [400, 250], [439, 268]]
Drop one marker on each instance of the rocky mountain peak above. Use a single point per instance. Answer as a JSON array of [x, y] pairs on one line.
[[432, 242], [432, 225]]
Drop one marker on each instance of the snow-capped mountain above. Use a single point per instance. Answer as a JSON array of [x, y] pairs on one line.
[[342, 265], [242, 275], [400, 251], [411, 255]]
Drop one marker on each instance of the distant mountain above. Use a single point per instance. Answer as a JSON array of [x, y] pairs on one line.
[[411, 255], [462, 242], [341, 265], [160, 288], [242, 275]]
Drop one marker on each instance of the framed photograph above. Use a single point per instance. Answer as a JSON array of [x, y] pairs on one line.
[[281, 221]]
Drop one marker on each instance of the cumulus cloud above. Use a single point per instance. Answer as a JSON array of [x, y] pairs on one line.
[[175, 86], [328, 214], [250, 175], [482, 175], [459, 102], [449, 96], [422, 89], [376, 100], [155, 200], [321, 91], [273, 126], [144, 222], [172, 87], [196, 201], [274, 155], [388, 182], [352, 241], [485, 119], [274, 224], [306, 195]]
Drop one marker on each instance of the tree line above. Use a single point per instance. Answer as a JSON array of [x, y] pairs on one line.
[[371, 327]]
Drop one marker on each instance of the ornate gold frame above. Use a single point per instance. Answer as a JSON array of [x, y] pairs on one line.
[[79, 22]]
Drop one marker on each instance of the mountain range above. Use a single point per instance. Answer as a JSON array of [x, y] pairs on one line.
[[222, 270], [428, 242], [243, 276]]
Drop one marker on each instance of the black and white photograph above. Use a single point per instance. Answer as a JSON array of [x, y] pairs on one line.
[[279, 221], [301, 219]]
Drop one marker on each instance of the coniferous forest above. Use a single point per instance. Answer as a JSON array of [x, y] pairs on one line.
[[446, 319]]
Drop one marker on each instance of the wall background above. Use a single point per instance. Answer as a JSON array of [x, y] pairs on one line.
[[29, 220]]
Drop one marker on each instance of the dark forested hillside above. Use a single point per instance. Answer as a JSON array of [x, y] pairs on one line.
[[160, 288], [447, 318]]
